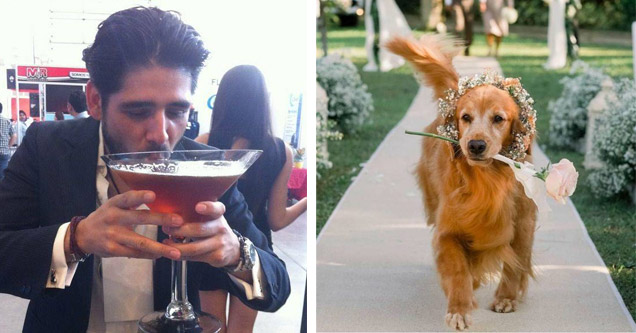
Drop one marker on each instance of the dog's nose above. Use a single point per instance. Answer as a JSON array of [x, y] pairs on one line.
[[477, 146]]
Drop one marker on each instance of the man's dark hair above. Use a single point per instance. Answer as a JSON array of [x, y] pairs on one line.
[[0, 107], [140, 37], [77, 99], [22, 111]]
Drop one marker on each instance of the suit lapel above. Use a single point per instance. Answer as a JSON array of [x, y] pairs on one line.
[[79, 166]]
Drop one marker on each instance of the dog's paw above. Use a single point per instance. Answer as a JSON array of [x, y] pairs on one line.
[[504, 305], [458, 321]]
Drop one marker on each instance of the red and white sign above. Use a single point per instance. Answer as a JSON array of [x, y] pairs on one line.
[[52, 74]]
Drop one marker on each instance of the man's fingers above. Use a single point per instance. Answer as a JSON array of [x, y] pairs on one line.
[[124, 251], [135, 217], [196, 229], [149, 246], [213, 209], [132, 199], [195, 248]]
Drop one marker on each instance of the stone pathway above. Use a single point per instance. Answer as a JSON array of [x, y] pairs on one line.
[[375, 270]]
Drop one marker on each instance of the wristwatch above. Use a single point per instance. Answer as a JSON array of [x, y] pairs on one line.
[[248, 255], [75, 257]]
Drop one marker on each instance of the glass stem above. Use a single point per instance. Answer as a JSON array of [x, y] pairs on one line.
[[179, 307], [179, 281]]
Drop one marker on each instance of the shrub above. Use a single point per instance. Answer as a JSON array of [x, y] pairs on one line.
[[349, 102], [594, 14], [607, 14], [532, 12], [569, 112], [323, 131], [411, 7], [615, 143]]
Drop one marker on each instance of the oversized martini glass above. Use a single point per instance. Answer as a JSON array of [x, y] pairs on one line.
[[180, 180]]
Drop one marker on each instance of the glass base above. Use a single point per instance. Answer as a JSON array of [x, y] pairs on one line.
[[157, 322]]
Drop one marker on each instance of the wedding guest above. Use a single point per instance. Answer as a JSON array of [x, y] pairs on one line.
[[495, 26], [242, 120], [572, 27], [464, 17]]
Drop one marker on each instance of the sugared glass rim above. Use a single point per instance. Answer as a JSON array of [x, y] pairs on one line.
[[183, 151]]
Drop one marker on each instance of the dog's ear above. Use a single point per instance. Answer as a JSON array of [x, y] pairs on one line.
[[518, 127]]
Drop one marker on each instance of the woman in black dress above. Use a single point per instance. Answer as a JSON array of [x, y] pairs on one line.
[[241, 119]]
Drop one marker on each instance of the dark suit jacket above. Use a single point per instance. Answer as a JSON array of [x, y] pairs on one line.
[[50, 179]]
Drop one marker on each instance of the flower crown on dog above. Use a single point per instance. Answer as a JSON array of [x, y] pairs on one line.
[[527, 114]]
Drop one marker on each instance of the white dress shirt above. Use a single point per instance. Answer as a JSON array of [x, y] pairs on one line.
[[122, 287], [83, 114]]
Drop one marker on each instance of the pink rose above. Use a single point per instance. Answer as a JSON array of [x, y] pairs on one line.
[[561, 181]]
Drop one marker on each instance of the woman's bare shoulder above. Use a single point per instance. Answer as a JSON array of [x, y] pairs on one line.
[[203, 138]]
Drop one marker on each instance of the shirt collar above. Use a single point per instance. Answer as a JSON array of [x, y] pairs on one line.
[[101, 165]]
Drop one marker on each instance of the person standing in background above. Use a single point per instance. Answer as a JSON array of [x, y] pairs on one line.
[[7, 139], [572, 28], [59, 115], [495, 26], [22, 126], [464, 17], [76, 105], [192, 129], [242, 120]]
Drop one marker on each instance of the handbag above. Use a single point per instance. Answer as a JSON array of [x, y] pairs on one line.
[[509, 14]]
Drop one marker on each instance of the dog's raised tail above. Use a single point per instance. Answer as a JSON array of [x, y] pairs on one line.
[[431, 57]]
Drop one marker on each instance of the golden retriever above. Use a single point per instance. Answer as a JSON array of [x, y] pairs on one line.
[[484, 223]]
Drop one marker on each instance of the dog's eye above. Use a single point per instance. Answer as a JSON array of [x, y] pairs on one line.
[[466, 118], [498, 119]]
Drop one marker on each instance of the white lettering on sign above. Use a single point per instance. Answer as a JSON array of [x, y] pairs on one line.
[[36, 73]]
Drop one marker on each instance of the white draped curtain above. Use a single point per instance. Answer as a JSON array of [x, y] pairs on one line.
[[557, 37], [392, 23]]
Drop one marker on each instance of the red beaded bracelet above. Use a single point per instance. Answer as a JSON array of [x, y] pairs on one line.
[[76, 253]]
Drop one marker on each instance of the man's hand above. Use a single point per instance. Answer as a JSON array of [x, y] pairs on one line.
[[108, 231], [213, 242], [482, 7]]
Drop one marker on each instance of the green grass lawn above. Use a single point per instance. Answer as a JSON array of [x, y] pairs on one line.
[[610, 223]]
